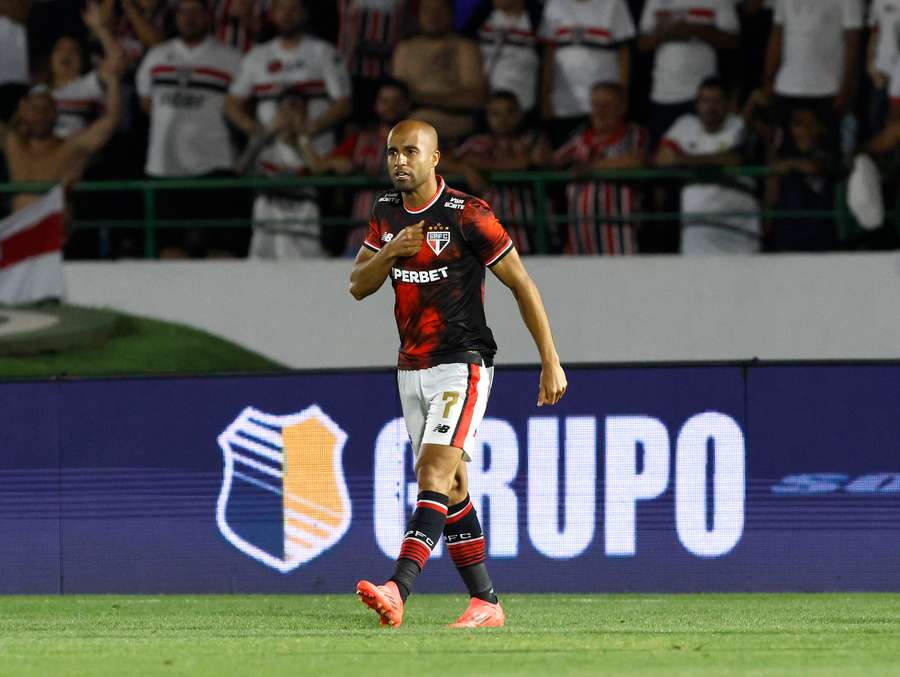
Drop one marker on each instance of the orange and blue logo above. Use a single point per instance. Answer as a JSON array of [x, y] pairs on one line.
[[284, 498]]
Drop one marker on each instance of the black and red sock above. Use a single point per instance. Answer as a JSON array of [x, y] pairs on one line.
[[422, 534], [465, 541]]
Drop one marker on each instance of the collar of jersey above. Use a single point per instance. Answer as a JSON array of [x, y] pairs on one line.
[[430, 203]]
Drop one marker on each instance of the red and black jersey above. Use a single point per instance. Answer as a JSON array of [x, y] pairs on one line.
[[440, 291]]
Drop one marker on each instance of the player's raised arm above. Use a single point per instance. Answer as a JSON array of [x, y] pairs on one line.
[[370, 270], [512, 273]]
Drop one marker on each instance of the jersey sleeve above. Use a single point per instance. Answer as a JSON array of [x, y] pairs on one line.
[[484, 233], [622, 27], [852, 15], [677, 135], [142, 79], [373, 234], [648, 18], [778, 13], [894, 84], [727, 18], [242, 85], [547, 29], [336, 76]]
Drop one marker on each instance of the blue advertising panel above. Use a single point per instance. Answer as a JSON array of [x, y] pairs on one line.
[[643, 479]]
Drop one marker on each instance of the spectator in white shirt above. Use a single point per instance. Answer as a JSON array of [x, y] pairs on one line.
[[813, 56], [507, 32], [285, 220], [14, 61], [881, 57], [587, 41], [182, 84], [712, 137], [684, 36], [293, 62]]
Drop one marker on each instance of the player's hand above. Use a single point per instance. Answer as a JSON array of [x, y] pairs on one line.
[[408, 241], [553, 384]]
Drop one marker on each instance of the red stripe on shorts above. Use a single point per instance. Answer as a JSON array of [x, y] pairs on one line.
[[465, 419]]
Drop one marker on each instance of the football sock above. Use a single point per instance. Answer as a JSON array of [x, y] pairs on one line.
[[465, 541], [422, 533]]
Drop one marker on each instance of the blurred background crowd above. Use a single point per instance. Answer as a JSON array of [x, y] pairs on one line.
[[188, 89]]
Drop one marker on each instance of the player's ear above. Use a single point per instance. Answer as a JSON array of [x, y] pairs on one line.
[[435, 158]]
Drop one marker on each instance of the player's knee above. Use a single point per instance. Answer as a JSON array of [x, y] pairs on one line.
[[458, 490], [434, 477]]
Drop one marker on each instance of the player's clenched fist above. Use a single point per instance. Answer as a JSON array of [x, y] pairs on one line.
[[408, 241], [553, 384]]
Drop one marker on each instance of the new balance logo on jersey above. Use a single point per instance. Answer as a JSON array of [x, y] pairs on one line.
[[442, 428], [387, 237], [419, 276]]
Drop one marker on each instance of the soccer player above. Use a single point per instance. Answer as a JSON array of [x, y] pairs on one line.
[[435, 243]]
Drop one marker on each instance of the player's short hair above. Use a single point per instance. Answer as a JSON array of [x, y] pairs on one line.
[[713, 82], [504, 95], [394, 83], [611, 86]]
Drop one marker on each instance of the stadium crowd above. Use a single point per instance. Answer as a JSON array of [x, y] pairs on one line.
[[114, 89]]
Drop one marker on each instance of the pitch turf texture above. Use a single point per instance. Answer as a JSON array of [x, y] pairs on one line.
[[797, 634]]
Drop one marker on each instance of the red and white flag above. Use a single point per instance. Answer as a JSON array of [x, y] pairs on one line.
[[31, 243]]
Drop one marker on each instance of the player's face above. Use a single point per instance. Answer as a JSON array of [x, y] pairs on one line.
[[711, 107], [192, 21], [65, 60], [435, 17], [410, 159], [607, 109], [391, 105], [503, 116], [288, 17]]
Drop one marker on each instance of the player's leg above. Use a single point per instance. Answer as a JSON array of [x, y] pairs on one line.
[[465, 540], [464, 536], [449, 394], [435, 468], [386, 600]]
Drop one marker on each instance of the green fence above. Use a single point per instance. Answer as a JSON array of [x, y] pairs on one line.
[[541, 183]]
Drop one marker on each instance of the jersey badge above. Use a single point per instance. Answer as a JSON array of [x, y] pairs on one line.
[[438, 237]]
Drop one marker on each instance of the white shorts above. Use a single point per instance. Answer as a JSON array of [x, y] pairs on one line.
[[444, 404]]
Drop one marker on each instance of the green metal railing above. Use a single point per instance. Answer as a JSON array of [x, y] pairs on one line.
[[540, 182]]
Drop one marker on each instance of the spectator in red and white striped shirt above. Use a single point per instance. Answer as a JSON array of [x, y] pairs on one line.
[[506, 147], [596, 207]]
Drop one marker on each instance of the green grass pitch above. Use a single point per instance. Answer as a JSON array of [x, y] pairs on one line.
[[796, 634]]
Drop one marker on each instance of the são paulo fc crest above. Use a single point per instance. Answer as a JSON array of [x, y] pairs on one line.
[[438, 237], [284, 498]]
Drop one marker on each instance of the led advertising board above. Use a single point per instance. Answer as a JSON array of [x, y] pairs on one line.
[[719, 478]]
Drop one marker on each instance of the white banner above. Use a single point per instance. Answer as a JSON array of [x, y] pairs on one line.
[[31, 252]]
